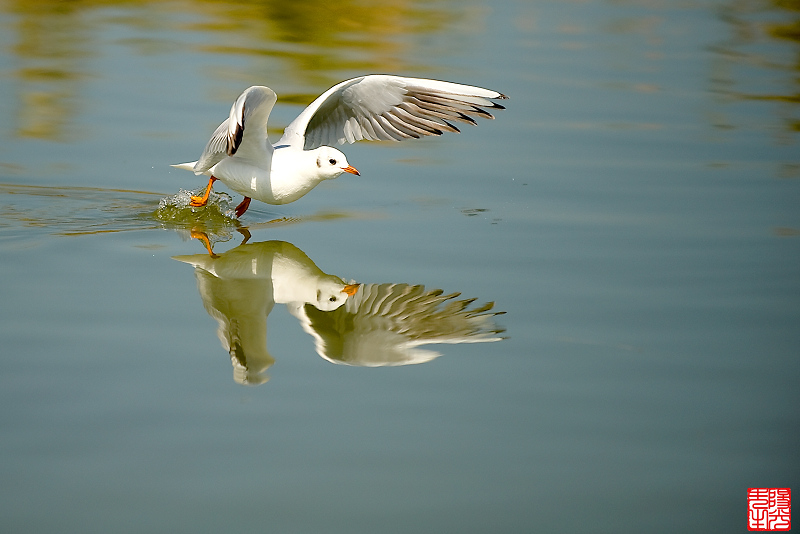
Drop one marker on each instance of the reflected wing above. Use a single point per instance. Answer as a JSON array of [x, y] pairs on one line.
[[388, 108], [244, 130], [386, 324]]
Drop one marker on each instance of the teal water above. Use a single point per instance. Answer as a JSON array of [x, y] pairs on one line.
[[633, 214]]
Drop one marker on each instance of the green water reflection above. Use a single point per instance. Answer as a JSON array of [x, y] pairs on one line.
[[741, 70], [55, 44]]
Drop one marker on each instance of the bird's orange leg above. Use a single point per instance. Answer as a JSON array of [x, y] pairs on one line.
[[242, 207], [203, 238], [202, 201]]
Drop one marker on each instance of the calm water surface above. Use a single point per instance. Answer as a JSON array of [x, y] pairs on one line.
[[634, 212]]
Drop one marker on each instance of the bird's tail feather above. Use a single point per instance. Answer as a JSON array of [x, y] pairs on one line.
[[185, 166]]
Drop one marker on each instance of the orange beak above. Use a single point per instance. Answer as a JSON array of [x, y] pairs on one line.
[[351, 289], [351, 170]]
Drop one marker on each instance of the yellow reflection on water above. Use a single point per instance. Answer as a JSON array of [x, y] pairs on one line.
[[51, 47], [54, 42], [744, 69]]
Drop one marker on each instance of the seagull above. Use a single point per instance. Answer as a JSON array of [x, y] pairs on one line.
[[375, 107]]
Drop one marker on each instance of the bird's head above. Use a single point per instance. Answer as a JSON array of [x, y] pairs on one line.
[[332, 163], [332, 293]]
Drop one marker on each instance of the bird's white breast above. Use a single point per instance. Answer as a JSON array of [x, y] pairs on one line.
[[291, 176]]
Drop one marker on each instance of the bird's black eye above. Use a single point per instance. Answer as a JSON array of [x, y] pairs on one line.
[[332, 299], [332, 161]]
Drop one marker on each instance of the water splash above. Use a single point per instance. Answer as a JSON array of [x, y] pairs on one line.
[[178, 207], [216, 219]]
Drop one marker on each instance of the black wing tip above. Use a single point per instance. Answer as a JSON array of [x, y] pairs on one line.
[[468, 119], [482, 112], [453, 126], [233, 144]]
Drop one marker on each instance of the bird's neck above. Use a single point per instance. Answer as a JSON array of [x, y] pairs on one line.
[[294, 173]]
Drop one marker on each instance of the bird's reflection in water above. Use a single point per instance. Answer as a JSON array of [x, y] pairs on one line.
[[355, 324], [385, 324]]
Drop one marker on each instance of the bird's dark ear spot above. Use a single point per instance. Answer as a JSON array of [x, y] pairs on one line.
[[319, 164]]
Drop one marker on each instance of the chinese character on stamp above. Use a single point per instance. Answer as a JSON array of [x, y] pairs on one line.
[[769, 509]]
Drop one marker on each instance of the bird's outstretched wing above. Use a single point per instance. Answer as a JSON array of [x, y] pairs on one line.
[[388, 324], [245, 128], [387, 108]]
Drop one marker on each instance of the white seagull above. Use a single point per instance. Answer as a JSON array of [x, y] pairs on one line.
[[374, 107]]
